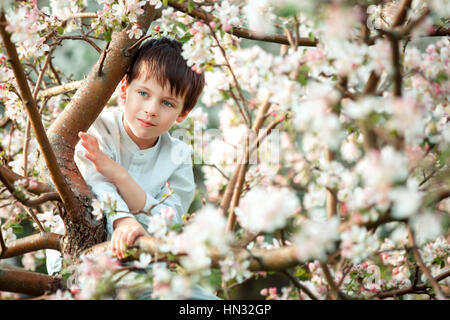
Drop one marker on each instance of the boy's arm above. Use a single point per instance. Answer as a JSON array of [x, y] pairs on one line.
[[136, 198], [126, 228], [123, 226], [133, 195]]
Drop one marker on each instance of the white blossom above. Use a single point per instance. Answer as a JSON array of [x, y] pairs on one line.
[[266, 209], [316, 238]]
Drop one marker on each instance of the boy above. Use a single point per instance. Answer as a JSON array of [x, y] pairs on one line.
[[130, 155]]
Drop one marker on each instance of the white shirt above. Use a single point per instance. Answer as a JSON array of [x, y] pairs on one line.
[[169, 160]]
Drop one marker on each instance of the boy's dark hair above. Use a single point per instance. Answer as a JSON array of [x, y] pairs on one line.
[[162, 59]]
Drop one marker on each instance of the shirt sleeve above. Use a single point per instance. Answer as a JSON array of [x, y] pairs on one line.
[[102, 189], [183, 185]]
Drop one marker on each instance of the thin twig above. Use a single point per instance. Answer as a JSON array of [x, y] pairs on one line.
[[102, 59], [290, 38], [55, 73], [83, 38], [130, 49], [331, 195], [299, 285], [424, 268], [421, 288], [247, 118], [91, 15], [216, 167], [240, 108], [34, 217], [225, 289], [234, 285], [427, 178], [27, 139], [334, 289]]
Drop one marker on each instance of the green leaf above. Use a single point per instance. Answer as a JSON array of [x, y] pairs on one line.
[[17, 228], [441, 76], [302, 274], [185, 38], [66, 275], [171, 256], [165, 2], [215, 278], [182, 26], [60, 31], [190, 6], [286, 10], [444, 155], [303, 75], [176, 227], [107, 35]]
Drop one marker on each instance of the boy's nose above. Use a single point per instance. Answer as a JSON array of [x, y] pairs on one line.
[[151, 112], [151, 109]]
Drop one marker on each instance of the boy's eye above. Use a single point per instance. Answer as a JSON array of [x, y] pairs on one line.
[[167, 103], [142, 93]]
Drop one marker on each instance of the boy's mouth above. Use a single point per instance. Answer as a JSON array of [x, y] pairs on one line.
[[146, 123]]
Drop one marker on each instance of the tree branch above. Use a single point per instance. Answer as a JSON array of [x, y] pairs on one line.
[[421, 288], [49, 196], [65, 192], [83, 38], [198, 13], [260, 259], [243, 168], [402, 12], [32, 243], [35, 188], [32, 283], [64, 88]]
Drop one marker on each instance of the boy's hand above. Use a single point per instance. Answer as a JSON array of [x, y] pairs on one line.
[[107, 167], [126, 231]]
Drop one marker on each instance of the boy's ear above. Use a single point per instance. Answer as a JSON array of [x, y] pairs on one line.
[[123, 88], [123, 82], [182, 116]]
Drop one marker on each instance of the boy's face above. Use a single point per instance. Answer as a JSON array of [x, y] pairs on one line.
[[150, 111]]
